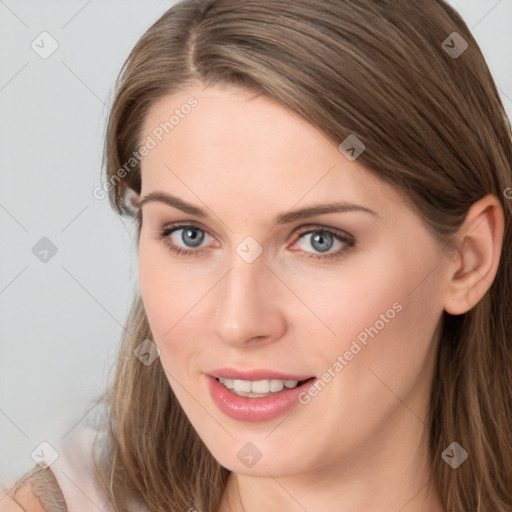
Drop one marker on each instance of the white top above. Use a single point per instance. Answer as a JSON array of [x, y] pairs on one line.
[[73, 467], [71, 460]]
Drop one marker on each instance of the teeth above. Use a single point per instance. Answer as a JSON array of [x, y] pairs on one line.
[[257, 387], [276, 385], [229, 383], [242, 385]]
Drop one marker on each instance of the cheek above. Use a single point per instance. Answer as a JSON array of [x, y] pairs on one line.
[[359, 300], [164, 296], [174, 301], [385, 330], [382, 312]]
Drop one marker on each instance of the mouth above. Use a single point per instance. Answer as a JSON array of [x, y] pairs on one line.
[[256, 396]]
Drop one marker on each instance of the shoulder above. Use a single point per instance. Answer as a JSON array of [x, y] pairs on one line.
[[38, 491], [23, 499], [77, 473]]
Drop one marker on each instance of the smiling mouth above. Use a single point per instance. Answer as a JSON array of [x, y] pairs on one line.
[[260, 388]]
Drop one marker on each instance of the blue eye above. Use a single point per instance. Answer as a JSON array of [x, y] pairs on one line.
[[191, 236], [321, 239]]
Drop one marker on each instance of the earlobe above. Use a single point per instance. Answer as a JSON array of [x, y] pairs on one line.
[[132, 200], [480, 238]]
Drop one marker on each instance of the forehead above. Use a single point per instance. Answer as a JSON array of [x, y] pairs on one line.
[[237, 144], [228, 117]]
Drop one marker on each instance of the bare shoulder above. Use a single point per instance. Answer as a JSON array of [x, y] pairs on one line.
[[38, 491], [24, 498]]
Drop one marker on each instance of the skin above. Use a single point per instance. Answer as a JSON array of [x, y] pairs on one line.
[[358, 444], [22, 500]]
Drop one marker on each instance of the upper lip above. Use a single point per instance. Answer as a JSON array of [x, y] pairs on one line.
[[255, 374]]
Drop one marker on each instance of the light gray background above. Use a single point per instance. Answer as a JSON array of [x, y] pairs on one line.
[[61, 321]]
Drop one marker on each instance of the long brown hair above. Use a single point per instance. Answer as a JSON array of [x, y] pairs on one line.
[[433, 126]]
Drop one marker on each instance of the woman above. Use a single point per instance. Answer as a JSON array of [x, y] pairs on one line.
[[320, 190]]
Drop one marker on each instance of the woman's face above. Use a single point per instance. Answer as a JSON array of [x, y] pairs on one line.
[[347, 300]]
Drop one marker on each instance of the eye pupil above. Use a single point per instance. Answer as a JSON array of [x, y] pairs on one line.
[[196, 236], [320, 239]]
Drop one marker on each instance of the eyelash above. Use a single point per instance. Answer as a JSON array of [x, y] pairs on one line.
[[337, 234]]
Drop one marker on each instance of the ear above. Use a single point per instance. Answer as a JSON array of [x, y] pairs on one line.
[[479, 240], [132, 200]]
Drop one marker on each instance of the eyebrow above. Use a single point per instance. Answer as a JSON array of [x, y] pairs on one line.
[[282, 218]]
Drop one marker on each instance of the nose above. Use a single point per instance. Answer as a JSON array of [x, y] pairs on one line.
[[249, 306]]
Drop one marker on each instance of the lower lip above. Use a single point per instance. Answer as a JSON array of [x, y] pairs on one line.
[[254, 409]]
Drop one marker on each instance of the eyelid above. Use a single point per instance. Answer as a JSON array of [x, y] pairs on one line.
[[319, 227], [172, 228]]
